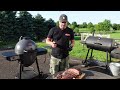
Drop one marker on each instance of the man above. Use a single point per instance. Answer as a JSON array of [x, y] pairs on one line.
[[61, 39]]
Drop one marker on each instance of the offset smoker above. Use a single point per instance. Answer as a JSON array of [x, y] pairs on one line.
[[101, 44]]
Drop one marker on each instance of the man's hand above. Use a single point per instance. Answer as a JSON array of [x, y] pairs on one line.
[[54, 44]]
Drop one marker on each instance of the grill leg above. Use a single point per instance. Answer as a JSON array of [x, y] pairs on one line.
[[107, 60], [38, 68], [85, 61], [91, 57], [21, 69], [110, 56]]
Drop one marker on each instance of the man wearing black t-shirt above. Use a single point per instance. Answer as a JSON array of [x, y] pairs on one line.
[[61, 39]]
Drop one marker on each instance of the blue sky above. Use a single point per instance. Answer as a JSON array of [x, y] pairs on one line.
[[81, 16]]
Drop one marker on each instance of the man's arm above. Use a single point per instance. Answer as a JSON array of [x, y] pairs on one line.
[[72, 43], [72, 38], [49, 41]]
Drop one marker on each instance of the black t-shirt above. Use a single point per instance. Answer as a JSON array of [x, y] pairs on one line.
[[62, 38]]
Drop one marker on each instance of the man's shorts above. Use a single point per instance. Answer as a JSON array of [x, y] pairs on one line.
[[57, 65]]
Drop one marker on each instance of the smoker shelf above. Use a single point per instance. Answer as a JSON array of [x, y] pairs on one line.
[[9, 54]]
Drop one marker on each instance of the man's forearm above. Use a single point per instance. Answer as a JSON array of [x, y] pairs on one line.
[[48, 41], [72, 43]]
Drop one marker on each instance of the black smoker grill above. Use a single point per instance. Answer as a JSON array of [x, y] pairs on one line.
[[27, 51], [101, 44], [115, 53]]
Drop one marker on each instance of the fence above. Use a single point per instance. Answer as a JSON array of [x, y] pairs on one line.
[[84, 36], [117, 40]]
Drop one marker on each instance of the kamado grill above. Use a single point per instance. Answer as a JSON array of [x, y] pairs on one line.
[[27, 52], [101, 44]]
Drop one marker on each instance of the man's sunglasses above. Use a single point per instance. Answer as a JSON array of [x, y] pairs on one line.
[[64, 22]]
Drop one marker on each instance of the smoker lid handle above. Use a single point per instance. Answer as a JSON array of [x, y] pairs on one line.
[[21, 37], [98, 43]]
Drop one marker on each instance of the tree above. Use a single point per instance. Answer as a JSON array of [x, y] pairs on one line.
[[73, 25], [114, 26], [99, 27], [76, 30], [90, 25], [39, 27], [68, 23], [50, 23], [118, 26], [25, 23], [80, 25], [107, 25], [7, 25], [103, 26], [84, 25]]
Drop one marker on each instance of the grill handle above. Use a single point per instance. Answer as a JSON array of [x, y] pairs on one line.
[[21, 37], [98, 43]]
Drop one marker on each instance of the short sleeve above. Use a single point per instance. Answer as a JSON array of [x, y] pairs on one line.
[[50, 34], [72, 35]]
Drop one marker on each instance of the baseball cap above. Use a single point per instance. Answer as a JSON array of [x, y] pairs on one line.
[[63, 18]]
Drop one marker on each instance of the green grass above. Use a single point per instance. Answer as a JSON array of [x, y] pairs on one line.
[[80, 51], [41, 44], [115, 35], [84, 30]]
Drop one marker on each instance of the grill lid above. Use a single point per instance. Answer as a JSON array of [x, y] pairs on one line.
[[98, 43], [25, 44]]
